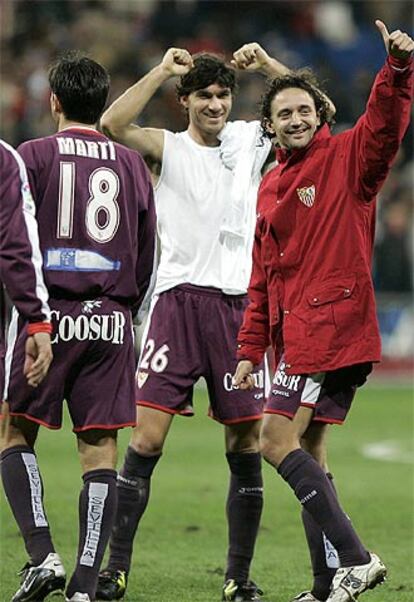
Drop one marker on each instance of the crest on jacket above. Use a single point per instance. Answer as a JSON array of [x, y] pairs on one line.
[[307, 195]]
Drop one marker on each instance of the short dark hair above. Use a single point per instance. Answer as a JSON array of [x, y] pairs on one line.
[[81, 86], [304, 79], [208, 69]]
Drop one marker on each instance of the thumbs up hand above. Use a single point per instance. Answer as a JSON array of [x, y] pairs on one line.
[[398, 44]]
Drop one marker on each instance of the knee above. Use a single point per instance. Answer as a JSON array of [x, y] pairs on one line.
[[270, 449], [146, 444], [243, 438], [97, 450], [276, 445], [17, 431]]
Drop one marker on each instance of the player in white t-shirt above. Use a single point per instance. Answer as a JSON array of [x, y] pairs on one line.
[[206, 201]]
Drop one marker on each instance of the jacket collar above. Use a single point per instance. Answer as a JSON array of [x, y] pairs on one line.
[[283, 154]]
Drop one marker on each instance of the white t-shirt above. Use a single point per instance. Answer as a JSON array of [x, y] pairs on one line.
[[192, 197]]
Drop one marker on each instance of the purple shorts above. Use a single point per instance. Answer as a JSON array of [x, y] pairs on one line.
[[289, 392], [93, 368], [192, 332]]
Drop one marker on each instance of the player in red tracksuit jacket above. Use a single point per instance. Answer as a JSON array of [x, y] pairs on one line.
[[311, 294]]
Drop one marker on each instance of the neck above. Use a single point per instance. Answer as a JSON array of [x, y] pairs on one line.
[[64, 123], [203, 138]]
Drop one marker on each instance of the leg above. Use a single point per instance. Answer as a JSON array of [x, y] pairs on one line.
[[281, 447], [133, 486], [323, 555], [97, 507], [244, 502], [23, 487]]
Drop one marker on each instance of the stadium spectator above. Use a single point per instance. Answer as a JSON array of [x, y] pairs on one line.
[[20, 268], [206, 198], [97, 230], [394, 272], [311, 292]]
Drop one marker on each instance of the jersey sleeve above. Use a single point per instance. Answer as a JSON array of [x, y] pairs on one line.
[[20, 256]]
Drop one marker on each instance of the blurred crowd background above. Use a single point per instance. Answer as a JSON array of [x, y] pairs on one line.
[[337, 38]]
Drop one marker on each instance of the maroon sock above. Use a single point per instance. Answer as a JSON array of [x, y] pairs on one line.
[[323, 556], [24, 490], [97, 508], [244, 509], [133, 486], [315, 493]]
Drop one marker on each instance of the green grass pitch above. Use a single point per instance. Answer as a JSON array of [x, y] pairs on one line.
[[180, 549]]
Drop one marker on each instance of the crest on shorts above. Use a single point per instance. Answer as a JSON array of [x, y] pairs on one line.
[[307, 195], [88, 306], [141, 378]]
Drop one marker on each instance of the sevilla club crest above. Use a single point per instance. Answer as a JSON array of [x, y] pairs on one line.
[[141, 378], [307, 195]]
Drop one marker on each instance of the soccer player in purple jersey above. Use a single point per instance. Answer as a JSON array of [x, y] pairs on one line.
[[97, 234], [20, 267]]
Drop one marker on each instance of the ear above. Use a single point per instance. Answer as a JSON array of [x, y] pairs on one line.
[[184, 101], [268, 126], [55, 103]]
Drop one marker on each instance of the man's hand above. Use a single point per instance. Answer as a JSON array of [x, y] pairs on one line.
[[398, 44], [38, 355], [177, 61], [243, 377], [252, 57]]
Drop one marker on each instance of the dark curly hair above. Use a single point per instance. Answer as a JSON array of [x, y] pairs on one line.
[[304, 79], [208, 69]]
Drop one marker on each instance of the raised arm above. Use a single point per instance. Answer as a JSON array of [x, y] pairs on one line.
[[118, 120], [378, 133], [252, 57]]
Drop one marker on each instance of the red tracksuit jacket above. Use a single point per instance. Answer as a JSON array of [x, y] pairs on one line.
[[311, 293]]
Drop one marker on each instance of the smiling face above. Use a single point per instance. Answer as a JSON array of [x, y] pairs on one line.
[[293, 118], [208, 110]]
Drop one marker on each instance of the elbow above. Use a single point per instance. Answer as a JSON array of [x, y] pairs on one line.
[[108, 127]]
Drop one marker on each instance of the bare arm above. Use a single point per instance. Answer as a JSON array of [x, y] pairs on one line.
[[118, 120], [252, 57]]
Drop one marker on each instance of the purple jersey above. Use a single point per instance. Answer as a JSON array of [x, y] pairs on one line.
[[96, 215]]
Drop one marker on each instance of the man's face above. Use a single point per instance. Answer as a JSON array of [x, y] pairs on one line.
[[208, 108], [293, 118]]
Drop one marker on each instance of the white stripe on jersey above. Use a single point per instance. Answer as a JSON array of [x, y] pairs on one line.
[[11, 341], [29, 212]]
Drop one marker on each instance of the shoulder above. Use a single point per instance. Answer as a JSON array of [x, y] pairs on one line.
[[9, 157], [33, 150]]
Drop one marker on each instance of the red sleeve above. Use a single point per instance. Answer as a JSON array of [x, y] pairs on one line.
[[254, 339], [377, 136]]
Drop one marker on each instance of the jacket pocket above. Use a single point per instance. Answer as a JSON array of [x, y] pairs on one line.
[[331, 292], [332, 312]]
